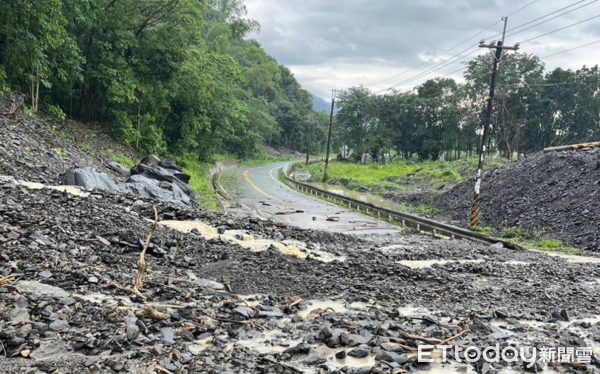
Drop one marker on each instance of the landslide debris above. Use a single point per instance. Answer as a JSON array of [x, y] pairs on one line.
[[222, 295], [213, 305], [550, 193]]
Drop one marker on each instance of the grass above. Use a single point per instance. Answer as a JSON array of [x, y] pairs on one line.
[[121, 159], [421, 209], [255, 161], [61, 133], [59, 152], [536, 241], [487, 231], [433, 174], [200, 181]]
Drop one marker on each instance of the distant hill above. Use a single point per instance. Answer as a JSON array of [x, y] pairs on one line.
[[320, 105]]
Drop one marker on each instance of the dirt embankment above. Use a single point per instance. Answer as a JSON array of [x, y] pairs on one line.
[[554, 193], [40, 149]]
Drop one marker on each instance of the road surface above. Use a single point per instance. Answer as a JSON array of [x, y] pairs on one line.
[[258, 191]]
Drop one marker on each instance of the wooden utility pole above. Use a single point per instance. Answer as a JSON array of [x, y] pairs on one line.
[[333, 92], [307, 143], [499, 49]]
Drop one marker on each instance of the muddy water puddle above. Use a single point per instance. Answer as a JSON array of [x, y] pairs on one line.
[[574, 259], [420, 264], [245, 240]]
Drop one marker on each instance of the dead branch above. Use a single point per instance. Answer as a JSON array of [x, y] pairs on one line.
[[291, 305], [432, 341], [285, 365], [253, 324], [455, 337], [151, 313], [119, 287], [139, 279], [162, 370]]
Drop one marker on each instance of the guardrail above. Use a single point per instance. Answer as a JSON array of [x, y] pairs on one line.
[[406, 220]]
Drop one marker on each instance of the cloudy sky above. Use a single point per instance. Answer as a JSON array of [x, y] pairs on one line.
[[341, 43]]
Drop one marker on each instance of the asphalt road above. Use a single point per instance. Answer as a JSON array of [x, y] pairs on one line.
[[258, 191]]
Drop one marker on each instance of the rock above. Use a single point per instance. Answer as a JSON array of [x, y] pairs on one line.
[[39, 290], [340, 355], [314, 361], [42, 239], [55, 351], [354, 340], [392, 347], [270, 314], [141, 186], [119, 169], [391, 357], [168, 337], [300, 349], [59, 325], [162, 175], [92, 279], [133, 331], [358, 353], [325, 333], [501, 312], [245, 311], [151, 160], [89, 179], [168, 163], [25, 353], [45, 274]]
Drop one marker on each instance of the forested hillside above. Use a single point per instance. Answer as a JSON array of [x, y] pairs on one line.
[[533, 109], [164, 76]]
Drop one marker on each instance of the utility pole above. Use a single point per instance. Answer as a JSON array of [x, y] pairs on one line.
[[307, 143], [333, 92], [499, 49]]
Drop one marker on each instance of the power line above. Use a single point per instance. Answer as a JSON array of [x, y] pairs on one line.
[[553, 18], [440, 55], [526, 85], [549, 14], [541, 58], [570, 49], [456, 46], [526, 6], [447, 63], [562, 28], [443, 64]]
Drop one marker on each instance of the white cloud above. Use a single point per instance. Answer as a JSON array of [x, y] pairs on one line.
[[337, 44]]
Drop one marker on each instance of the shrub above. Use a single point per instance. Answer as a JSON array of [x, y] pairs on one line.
[[510, 233], [56, 113]]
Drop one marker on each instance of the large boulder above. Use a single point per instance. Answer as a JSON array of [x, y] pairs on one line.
[[168, 163], [164, 175], [144, 187], [151, 160], [119, 169], [89, 179]]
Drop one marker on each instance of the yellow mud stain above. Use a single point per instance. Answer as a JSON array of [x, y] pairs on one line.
[[71, 190], [250, 242], [420, 264]]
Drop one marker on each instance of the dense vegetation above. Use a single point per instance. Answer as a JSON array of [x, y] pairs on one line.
[[165, 76], [533, 109]]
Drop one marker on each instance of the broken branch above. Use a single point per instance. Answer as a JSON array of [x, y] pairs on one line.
[[139, 279]]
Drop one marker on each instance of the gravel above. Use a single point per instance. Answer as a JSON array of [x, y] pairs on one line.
[[211, 304], [552, 193]]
